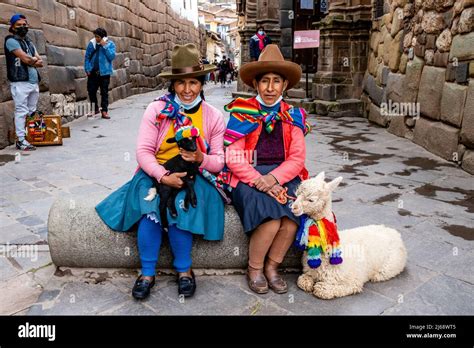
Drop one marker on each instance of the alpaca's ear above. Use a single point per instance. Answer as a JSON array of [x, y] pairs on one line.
[[335, 183], [171, 140], [320, 177]]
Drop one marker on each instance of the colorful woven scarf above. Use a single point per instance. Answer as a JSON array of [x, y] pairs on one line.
[[246, 115], [173, 111], [317, 237]]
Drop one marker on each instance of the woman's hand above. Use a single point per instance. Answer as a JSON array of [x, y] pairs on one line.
[[173, 180], [189, 156], [265, 182], [276, 191]]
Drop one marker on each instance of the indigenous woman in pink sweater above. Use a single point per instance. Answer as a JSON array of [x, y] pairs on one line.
[[266, 157], [183, 106]]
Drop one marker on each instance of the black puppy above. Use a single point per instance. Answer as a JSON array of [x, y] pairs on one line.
[[186, 139]]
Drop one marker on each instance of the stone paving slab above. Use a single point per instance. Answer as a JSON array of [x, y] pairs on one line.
[[387, 180], [436, 297]]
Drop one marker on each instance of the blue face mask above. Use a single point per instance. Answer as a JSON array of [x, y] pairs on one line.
[[261, 32], [187, 106], [260, 100]]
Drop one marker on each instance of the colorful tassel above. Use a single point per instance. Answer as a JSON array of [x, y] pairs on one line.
[[317, 237]]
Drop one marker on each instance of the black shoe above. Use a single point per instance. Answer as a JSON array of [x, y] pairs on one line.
[[142, 288], [24, 145], [187, 285]]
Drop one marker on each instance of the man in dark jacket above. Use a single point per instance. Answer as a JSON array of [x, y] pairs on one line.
[[223, 70], [258, 42], [22, 60]]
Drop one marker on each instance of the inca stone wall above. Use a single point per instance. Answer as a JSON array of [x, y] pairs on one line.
[[144, 32], [422, 56]]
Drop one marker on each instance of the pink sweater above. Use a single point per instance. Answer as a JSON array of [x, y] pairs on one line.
[[151, 136]]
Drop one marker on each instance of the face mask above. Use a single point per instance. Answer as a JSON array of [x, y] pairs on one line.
[[187, 106], [21, 31], [261, 32], [260, 100]]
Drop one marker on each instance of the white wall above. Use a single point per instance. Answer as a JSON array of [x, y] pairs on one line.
[[187, 9]]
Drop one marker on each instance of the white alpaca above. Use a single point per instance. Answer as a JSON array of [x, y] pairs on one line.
[[370, 253]]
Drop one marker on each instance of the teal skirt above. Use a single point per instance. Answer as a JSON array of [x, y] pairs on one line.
[[123, 208]]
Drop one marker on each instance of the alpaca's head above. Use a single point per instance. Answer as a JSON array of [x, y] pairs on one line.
[[313, 197]]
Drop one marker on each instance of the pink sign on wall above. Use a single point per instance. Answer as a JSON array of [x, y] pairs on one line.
[[306, 39]]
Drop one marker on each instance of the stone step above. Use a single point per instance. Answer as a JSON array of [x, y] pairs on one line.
[[302, 82], [339, 108], [297, 93], [242, 95], [308, 105]]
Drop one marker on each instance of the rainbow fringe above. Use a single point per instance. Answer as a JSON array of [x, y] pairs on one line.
[[317, 237]]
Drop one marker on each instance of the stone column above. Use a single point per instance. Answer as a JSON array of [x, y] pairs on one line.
[[343, 50], [253, 14]]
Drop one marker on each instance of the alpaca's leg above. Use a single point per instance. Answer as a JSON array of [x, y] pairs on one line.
[[327, 290], [192, 193], [171, 203], [305, 282], [164, 196], [187, 198]]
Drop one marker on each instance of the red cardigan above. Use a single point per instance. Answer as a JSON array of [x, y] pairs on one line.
[[239, 157]]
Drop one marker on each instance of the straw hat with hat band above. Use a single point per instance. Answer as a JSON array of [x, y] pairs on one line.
[[185, 62], [271, 61]]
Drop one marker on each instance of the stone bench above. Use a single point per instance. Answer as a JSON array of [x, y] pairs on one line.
[[79, 238]]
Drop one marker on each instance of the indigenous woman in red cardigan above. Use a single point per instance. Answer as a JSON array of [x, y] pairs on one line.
[[266, 158]]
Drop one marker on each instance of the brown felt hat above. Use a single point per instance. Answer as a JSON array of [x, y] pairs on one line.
[[185, 62], [271, 61]]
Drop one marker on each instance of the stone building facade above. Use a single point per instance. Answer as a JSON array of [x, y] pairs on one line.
[[252, 14], [384, 59], [421, 55], [144, 32]]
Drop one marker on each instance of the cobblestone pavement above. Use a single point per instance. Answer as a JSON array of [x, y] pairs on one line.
[[387, 180]]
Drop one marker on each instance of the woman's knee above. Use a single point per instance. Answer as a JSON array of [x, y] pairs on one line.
[[288, 224]]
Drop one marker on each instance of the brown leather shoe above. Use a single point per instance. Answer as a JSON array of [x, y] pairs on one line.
[[105, 115], [275, 280], [257, 281]]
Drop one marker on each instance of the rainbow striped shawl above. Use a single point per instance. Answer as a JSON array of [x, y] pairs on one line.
[[317, 237], [246, 115]]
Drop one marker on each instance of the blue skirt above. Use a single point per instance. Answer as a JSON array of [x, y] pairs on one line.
[[123, 208], [256, 207]]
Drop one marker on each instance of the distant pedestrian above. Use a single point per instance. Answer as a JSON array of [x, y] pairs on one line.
[[22, 60], [258, 42], [223, 70], [215, 73], [230, 72], [100, 54]]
